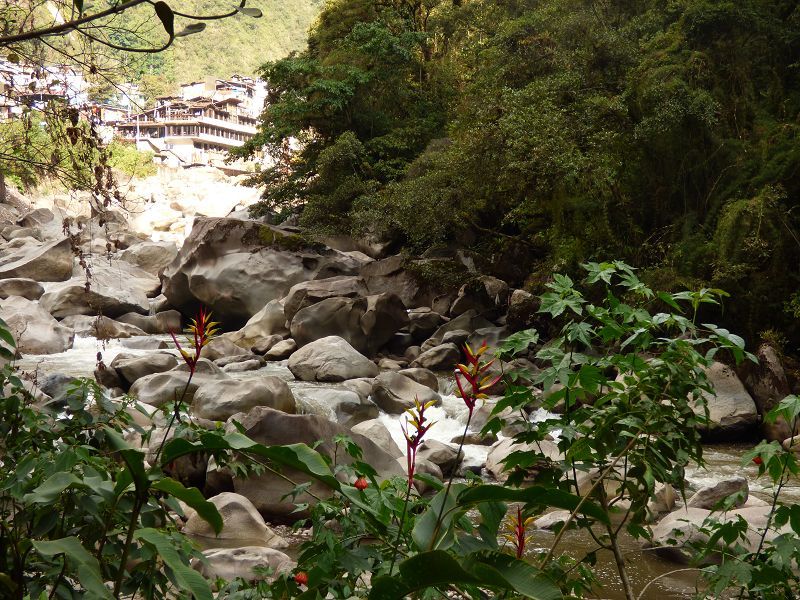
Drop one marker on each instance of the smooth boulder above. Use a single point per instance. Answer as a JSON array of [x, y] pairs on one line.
[[46, 262], [248, 563], [732, 411], [330, 359], [33, 328], [19, 286], [396, 393], [218, 400]]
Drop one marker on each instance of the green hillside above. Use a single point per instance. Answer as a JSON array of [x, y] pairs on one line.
[[241, 44]]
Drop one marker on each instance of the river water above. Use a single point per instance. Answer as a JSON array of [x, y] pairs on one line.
[[721, 461]]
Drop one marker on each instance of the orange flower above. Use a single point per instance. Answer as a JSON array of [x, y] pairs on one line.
[[361, 483], [301, 578]]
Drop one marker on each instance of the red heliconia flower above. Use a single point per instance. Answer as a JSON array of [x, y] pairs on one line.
[[517, 532], [471, 379], [419, 426], [202, 330], [758, 460], [301, 578], [361, 483]]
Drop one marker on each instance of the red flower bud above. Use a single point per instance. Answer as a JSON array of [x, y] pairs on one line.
[[758, 460], [301, 578], [361, 483]]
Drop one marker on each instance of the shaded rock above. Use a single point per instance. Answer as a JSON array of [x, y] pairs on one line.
[[486, 295], [218, 400], [271, 428], [162, 322], [438, 358], [767, 384], [252, 364], [421, 325], [375, 430], [468, 321], [732, 412], [523, 309], [422, 376], [710, 496], [48, 262], [35, 331], [442, 455], [150, 256], [345, 407], [102, 328], [19, 286], [395, 393], [501, 450], [475, 437], [234, 267], [222, 347], [389, 364], [281, 350], [131, 368], [266, 323], [307, 293], [492, 336], [265, 344], [552, 521], [144, 343], [457, 337], [163, 388], [330, 359], [245, 563], [242, 525], [361, 386]]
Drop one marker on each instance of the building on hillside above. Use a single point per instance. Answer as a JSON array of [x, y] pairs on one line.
[[33, 86], [201, 125]]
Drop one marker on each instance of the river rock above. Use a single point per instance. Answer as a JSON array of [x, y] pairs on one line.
[[41, 262], [732, 412], [395, 393], [457, 337], [366, 323], [226, 361], [375, 430], [144, 343], [102, 328], [218, 400], [330, 359], [306, 293], [150, 256], [766, 381], [164, 388], [281, 350], [445, 456], [710, 496], [502, 449], [345, 407], [222, 347], [552, 521], [19, 286], [265, 344], [265, 324], [131, 368], [438, 358], [242, 525], [270, 427], [252, 364], [361, 386], [404, 277], [422, 376], [423, 323], [468, 321], [35, 330], [523, 310], [167, 321], [234, 267], [486, 295], [245, 563]]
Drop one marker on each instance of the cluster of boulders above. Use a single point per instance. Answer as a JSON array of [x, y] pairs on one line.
[[370, 327]]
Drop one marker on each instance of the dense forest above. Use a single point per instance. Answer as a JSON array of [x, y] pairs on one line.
[[543, 134]]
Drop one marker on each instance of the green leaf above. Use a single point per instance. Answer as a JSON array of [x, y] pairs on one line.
[[429, 531], [485, 569], [5, 334], [186, 578], [78, 6], [87, 566], [191, 496], [534, 495], [190, 29], [250, 12], [51, 489], [166, 16], [134, 459]]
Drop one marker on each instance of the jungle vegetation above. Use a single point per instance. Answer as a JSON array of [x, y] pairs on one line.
[[545, 134]]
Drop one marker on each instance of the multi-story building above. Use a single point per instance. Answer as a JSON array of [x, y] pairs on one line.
[[201, 125], [32, 86]]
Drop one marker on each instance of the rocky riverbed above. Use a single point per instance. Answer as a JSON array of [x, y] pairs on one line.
[[319, 339]]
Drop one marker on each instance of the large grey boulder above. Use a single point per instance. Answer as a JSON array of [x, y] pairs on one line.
[[423, 323], [33, 328], [150, 256], [415, 281], [330, 359], [102, 328], [345, 407], [267, 322], [167, 321], [242, 525], [19, 286], [375, 430], [274, 428], [424, 376], [444, 456], [503, 448], [131, 368], [467, 321], [163, 388], [732, 411], [767, 383], [486, 295], [218, 400], [710, 496], [113, 290], [46, 262], [439, 358], [395, 393], [307, 293], [281, 350], [234, 267], [248, 562], [366, 323]]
